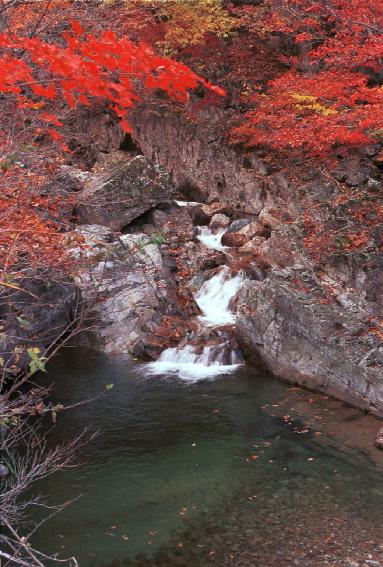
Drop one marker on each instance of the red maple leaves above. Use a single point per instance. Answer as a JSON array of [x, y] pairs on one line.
[[107, 67]]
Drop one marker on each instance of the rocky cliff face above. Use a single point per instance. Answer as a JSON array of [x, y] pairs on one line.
[[312, 320]]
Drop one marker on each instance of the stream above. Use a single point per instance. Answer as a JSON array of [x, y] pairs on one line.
[[200, 460]]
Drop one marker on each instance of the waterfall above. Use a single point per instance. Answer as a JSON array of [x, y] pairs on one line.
[[220, 355], [191, 366], [187, 361], [210, 240], [215, 296]]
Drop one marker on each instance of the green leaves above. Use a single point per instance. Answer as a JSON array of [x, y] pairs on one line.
[[24, 323], [37, 363], [157, 239]]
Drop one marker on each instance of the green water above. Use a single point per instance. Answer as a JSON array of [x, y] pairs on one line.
[[194, 473]]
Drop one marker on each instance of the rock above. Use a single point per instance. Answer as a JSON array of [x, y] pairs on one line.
[[213, 209], [378, 160], [219, 220], [205, 168], [123, 193], [379, 439], [96, 133], [252, 245], [233, 239], [212, 260], [255, 272], [268, 219], [253, 229], [131, 290], [67, 180], [284, 327], [320, 191], [36, 317], [237, 225], [374, 185], [353, 172]]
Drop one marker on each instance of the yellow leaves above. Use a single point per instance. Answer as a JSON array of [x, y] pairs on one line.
[[311, 103], [188, 21], [303, 98]]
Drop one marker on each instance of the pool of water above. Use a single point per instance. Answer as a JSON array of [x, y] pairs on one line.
[[221, 471]]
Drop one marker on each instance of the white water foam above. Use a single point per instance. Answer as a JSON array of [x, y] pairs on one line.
[[187, 203], [214, 300], [215, 296], [188, 365], [210, 240]]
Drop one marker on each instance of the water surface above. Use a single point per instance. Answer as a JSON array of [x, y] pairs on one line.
[[199, 472]]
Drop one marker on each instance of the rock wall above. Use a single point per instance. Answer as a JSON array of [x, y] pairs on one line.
[[310, 322], [199, 161]]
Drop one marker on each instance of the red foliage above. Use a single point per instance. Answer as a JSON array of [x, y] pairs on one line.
[[36, 76], [331, 94], [109, 67], [31, 234]]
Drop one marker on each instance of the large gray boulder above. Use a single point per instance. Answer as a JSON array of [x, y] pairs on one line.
[[302, 337], [124, 192], [130, 291]]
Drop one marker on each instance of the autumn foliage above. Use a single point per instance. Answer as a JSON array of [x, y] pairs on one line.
[[330, 94], [35, 78], [303, 77]]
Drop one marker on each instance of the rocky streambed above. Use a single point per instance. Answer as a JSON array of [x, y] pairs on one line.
[[147, 251]]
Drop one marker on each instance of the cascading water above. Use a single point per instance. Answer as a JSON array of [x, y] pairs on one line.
[[211, 240], [189, 361], [215, 296], [191, 366]]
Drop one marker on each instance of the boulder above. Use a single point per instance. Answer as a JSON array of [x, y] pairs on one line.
[[67, 180], [213, 209], [238, 225], [253, 229], [219, 221], [283, 324], [212, 260], [130, 290], [267, 218], [233, 239], [252, 244], [123, 193]]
